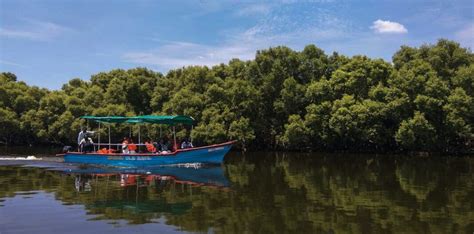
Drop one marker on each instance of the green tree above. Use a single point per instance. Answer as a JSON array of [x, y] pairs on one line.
[[319, 91], [241, 131], [416, 133], [9, 125], [464, 78], [296, 135], [459, 118], [317, 121]]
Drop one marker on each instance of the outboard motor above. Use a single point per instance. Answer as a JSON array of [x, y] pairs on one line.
[[67, 148]]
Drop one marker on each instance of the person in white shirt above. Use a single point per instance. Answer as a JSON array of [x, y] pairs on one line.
[[82, 134], [125, 143], [86, 144]]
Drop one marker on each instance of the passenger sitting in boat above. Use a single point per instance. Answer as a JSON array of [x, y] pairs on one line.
[[186, 144], [132, 148], [86, 144], [125, 146], [164, 145], [150, 147]]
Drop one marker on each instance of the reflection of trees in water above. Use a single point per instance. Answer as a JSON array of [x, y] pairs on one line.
[[410, 195], [292, 193]]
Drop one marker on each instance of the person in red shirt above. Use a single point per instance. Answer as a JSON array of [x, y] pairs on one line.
[[150, 147]]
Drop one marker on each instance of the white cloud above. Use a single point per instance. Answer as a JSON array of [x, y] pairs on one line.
[[382, 26], [34, 30]]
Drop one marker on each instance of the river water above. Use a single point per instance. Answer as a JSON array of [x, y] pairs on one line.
[[259, 192]]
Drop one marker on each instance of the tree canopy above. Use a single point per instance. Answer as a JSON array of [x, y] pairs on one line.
[[283, 99]]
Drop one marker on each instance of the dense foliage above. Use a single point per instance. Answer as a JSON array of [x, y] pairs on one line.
[[282, 99]]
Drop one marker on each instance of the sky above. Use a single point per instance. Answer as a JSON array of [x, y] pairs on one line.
[[48, 42]]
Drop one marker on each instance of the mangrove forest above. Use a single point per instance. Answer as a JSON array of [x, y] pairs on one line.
[[283, 99]]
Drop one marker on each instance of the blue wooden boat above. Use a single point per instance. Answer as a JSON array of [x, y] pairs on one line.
[[211, 154]]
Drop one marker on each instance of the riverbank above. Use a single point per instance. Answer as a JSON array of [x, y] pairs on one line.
[[52, 150]]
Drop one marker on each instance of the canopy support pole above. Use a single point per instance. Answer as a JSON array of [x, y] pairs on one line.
[[109, 139], [130, 132], [99, 136], [174, 137], [160, 132], [139, 137], [190, 136]]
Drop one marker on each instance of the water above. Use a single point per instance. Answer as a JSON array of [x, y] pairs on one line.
[[28, 150], [251, 193]]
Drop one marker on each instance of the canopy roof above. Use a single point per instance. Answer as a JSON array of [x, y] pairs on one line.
[[156, 119], [106, 119]]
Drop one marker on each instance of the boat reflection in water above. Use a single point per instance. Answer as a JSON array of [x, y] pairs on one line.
[[194, 175], [82, 183], [143, 196]]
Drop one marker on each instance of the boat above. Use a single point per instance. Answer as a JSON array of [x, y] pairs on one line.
[[156, 184], [210, 154]]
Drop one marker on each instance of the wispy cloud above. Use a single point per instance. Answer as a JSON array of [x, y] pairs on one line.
[[4, 62], [179, 54], [34, 30], [382, 26], [313, 24], [466, 35], [278, 26]]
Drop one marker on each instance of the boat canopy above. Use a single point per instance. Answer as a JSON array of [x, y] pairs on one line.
[[106, 119], [156, 119]]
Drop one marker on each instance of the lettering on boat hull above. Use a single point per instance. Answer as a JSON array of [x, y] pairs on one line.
[[215, 149], [129, 158], [114, 157]]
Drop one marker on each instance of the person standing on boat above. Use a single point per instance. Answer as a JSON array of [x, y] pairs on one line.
[[86, 145], [82, 134], [125, 146]]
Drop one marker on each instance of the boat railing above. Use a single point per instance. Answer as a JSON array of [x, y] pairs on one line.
[[116, 146], [107, 144]]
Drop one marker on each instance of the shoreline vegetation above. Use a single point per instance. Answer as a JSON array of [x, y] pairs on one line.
[[281, 100]]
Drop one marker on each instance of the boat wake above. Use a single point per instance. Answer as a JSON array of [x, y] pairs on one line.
[[20, 158]]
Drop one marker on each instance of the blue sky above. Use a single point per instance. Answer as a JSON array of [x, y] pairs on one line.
[[46, 43]]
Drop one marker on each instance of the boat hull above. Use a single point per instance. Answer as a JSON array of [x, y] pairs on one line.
[[213, 154]]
